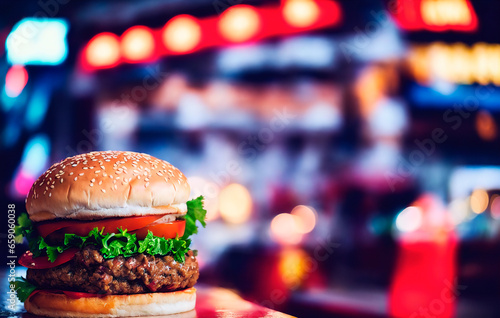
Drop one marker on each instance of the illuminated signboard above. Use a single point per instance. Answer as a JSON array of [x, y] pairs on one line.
[[435, 15], [456, 63]]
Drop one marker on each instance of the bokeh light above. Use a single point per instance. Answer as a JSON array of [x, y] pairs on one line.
[[479, 200], [137, 43], [300, 13], [486, 126], [284, 229], [182, 34], [239, 23], [495, 207], [410, 219], [305, 218], [15, 80], [235, 204], [293, 266], [103, 50]]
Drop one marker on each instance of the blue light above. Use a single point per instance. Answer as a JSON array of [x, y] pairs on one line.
[[37, 107], [38, 42], [36, 155]]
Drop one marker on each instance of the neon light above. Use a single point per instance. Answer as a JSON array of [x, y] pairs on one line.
[[103, 51], [15, 80], [477, 64], [436, 15], [239, 23], [34, 161], [137, 44], [185, 34], [38, 42], [182, 34], [300, 13], [37, 106]]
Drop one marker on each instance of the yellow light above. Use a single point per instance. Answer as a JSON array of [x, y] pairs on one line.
[[293, 267], [300, 13], [103, 50], [182, 34], [305, 218], [478, 64], [479, 201], [445, 12], [284, 229], [239, 23], [235, 204], [137, 43]]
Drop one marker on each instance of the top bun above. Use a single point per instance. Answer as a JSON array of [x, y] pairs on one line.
[[107, 184]]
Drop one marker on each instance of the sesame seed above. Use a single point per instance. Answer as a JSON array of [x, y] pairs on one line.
[[104, 191], [76, 178], [97, 171], [100, 182], [50, 194], [93, 180], [71, 173], [91, 184]]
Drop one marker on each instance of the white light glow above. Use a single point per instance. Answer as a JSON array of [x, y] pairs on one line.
[[410, 219], [38, 42]]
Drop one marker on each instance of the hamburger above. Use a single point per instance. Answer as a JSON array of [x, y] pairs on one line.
[[109, 236]]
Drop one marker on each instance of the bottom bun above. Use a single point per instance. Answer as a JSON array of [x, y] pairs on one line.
[[153, 304]]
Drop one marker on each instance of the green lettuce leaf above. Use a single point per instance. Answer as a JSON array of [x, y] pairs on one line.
[[195, 212], [23, 288]]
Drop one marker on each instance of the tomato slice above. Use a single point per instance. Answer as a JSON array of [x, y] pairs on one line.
[[110, 225], [166, 230], [45, 229], [43, 262]]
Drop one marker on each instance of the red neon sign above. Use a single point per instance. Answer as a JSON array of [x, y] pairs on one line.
[[436, 15], [185, 34]]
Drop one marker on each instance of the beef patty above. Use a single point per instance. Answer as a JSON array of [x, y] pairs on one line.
[[90, 272]]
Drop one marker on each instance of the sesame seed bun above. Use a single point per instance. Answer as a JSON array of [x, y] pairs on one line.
[[152, 304], [107, 184]]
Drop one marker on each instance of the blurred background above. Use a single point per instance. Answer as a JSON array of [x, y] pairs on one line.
[[348, 151]]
